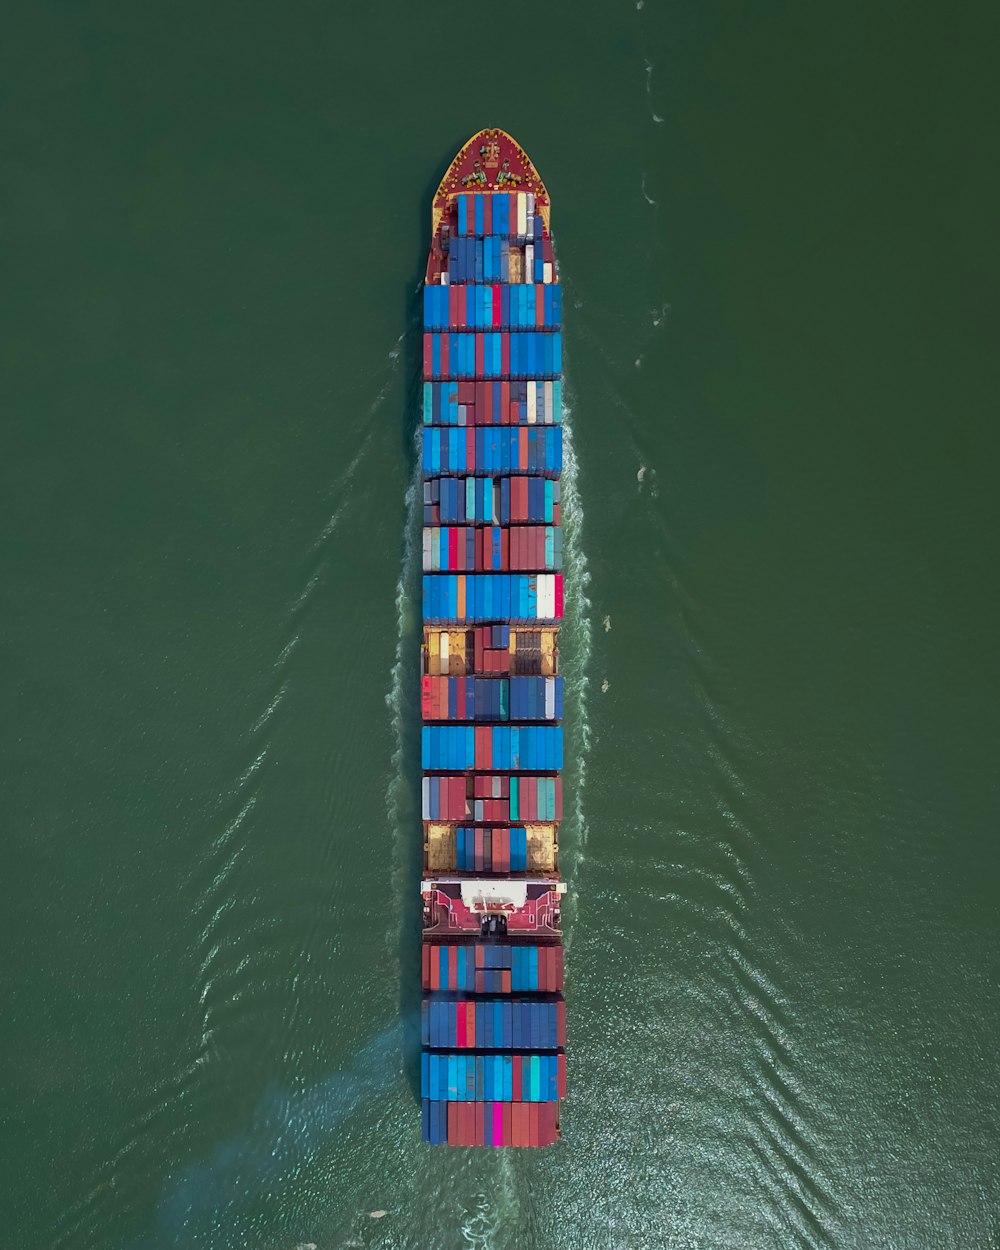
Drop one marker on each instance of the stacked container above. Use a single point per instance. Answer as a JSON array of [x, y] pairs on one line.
[[493, 1020]]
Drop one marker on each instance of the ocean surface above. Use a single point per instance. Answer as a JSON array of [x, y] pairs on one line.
[[777, 231]]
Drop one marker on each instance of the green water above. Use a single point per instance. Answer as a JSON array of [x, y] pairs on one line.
[[777, 231]]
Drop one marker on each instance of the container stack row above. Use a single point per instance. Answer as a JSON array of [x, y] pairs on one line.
[[489, 449], [531, 748], [533, 306], [494, 402], [493, 1019], [509, 213], [519, 500], [491, 798], [491, 698], [493, 597], [497, 354], [493, 549]]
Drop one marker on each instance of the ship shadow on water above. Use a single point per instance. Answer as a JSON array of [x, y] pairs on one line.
[[408, 813]]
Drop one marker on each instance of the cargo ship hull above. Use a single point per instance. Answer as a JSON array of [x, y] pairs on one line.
[[493, 1015]]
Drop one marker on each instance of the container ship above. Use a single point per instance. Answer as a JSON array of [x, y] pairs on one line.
[[493, 1023]]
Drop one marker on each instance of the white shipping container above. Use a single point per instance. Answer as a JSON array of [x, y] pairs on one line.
[[529, 259], [443, 651], [425, 798], [546, 596], [550, 698], [522, 213], [428, 566], [547, 271], [531, 203], [531, 403], [436, 549], [547, 402]]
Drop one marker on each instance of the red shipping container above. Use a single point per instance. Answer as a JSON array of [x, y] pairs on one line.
[[470, 1023], [466, 392], [505, 390], [539, 305], [425, 697], [435, 970], [458, 1009], [555, 514], [532, 1123], [505, 1135], [547, 1135], [425, 965], [445, 339], [458, 793], [480, 982], [454, 1133], [496, 307], [478, 853], [504, 550], [479, 356], [516, 1084], [505, 367], [561, 1075], [504, 981], [452, 968], [551, 971], [522, 449], [428, 358], [484, 747], [479, 1124], [480, 956]]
